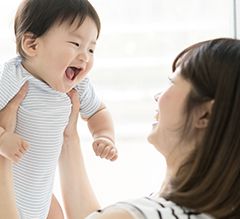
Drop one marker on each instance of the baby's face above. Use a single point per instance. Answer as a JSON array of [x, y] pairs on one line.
[[64, 55]]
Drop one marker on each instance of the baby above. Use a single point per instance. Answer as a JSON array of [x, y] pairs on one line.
[[56, 40]]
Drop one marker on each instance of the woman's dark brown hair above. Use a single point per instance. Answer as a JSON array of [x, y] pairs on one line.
[[38, 16], [209, 180]]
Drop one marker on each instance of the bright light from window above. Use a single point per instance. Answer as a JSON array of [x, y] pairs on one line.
[[138, 42]]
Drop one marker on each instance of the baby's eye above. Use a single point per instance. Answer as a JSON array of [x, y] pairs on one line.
[[91, 51], [75, 44]]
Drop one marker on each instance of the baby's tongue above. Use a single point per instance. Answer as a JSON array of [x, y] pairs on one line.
[[70, 73]]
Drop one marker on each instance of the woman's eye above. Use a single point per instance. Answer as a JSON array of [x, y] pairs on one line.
[[170, 80]]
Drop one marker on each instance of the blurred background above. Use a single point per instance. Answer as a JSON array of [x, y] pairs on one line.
[[138, 42]]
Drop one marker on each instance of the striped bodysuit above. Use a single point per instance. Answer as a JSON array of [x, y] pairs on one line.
[[41, 120]]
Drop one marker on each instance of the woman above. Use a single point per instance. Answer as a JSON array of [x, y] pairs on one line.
[[197, 131]]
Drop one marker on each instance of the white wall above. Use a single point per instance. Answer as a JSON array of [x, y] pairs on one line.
[[138, 42]]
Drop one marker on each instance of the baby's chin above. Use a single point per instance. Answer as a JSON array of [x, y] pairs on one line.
[[65, 90], [62, 89]]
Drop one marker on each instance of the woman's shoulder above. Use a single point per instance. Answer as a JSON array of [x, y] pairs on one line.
[[155, 208]]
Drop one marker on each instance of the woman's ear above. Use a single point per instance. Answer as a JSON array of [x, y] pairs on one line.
[[202, 115], [29, 44]]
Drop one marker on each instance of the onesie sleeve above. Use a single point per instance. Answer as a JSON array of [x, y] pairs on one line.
[[89, 101], [11, 80], [1, 70]]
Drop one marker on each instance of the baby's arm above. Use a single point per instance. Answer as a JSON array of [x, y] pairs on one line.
[[101, 126], [12, 146]]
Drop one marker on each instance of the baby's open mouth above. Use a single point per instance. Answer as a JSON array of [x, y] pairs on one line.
[[72, 72]]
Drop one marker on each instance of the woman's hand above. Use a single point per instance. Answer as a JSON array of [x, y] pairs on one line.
[[12, 146], [75, 184], [8, 114], [70, 132]]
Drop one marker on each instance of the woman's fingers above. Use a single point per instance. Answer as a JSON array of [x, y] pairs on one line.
[[9, 112], [74, 100], [25, 145], [20, 153], [75, 106], [73, 118], [18, 98]]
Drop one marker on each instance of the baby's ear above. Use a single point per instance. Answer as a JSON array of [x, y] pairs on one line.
[[29, 44], [202, 115]]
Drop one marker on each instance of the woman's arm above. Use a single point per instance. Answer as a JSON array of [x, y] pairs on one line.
[[8, 207], [78, 196]]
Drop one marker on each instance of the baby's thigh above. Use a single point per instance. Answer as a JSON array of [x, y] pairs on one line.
[[55, 211]]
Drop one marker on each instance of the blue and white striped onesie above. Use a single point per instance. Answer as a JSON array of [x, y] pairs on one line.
[[41, 120]]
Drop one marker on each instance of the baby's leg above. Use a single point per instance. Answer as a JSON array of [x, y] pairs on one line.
[[55, 211]]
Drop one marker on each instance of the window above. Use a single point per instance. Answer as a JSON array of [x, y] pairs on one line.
[[236, 13]]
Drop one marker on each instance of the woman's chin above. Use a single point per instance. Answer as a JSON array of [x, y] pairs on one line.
[[154, 133], [151, 137]]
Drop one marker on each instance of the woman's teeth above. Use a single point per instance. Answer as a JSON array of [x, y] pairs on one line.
[[154, 124], [156, 119]]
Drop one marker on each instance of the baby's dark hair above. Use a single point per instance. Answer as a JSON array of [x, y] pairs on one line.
[[38, 16]]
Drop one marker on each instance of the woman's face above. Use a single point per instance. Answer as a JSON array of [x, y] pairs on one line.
[[170, 117]]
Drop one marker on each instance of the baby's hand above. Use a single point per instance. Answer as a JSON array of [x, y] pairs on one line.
[[105, 148], [12, 146]]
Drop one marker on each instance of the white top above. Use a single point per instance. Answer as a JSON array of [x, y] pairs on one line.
[[156, 208], [41, 120]]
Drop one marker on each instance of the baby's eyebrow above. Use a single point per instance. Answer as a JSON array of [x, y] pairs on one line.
[[80, 37], [93, 42]]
